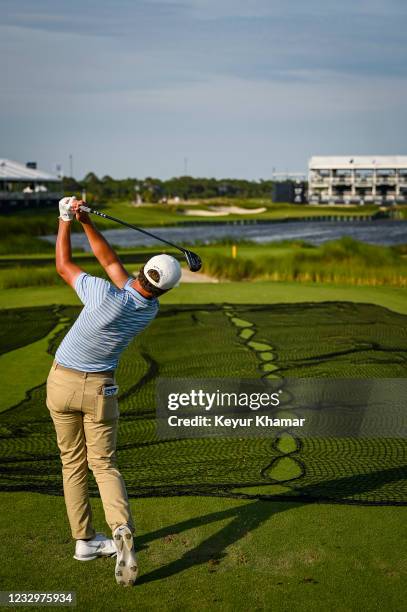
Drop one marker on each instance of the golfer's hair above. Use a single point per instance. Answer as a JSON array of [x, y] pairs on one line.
[[145, 283]]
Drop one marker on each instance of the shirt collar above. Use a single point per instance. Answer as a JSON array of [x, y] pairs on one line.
[[136, 294]]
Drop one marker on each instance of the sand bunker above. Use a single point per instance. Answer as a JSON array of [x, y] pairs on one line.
[[204, 213], [196, 277], [223, 211]]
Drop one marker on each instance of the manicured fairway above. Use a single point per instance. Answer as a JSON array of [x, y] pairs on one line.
[[156, 215], [233, 292], [209, 554]]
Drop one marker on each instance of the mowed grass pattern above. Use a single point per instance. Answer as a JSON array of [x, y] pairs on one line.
[[301, 340], [22, 326]]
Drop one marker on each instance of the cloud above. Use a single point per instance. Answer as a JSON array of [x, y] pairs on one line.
[[265, 40], [284, 77]]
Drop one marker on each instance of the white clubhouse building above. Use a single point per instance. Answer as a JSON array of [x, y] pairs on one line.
[[25, 186], [358, 179]]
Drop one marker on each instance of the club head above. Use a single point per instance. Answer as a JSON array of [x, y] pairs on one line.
[[193, 260]]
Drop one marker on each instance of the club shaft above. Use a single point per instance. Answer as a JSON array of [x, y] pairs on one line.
[[139, 229]]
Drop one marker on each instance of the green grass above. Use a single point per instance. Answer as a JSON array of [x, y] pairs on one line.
[[29, 277], [340, 261], [25, 325], [206, 552], [20, 231], [42, 259], [217, 554], [162, 214], [300, 340], [202, 552], [259, 292], [23, 243], [34, 223], [33, 360], [41, 276]]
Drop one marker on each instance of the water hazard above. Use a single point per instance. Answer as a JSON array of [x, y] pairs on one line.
[[315, 232]]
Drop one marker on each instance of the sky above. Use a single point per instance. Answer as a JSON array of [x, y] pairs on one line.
[[215, 88]]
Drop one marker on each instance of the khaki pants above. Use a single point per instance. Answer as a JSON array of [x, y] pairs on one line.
[[86, 426]]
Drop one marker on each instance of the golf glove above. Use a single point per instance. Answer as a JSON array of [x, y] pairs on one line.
[[65, 212]]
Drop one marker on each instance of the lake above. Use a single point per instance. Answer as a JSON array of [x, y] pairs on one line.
[[384, 232]]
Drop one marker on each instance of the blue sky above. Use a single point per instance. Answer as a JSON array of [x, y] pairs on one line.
[[131, 88]]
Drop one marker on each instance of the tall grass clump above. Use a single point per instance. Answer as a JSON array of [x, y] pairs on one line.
[[29, 223], [20, 232], [353, 262], [227, 268], [21, 244], [15, 278], [344, 261], [41, 276]]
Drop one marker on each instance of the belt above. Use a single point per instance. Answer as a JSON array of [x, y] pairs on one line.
[[58, 366]]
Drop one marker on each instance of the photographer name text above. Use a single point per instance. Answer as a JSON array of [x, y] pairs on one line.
[[234, 422]]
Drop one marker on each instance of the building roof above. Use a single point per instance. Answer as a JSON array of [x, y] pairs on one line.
[[365, 162], [14, 171]]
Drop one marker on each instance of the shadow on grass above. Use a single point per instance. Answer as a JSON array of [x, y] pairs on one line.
[[248, 518]]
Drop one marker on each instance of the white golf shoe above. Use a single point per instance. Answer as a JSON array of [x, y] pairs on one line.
[[99, 546], [126, 563]]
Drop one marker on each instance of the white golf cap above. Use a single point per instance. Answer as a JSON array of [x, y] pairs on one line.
[[163, 271]]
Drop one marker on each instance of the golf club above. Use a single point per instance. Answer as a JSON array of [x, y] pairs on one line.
[[193, 260]]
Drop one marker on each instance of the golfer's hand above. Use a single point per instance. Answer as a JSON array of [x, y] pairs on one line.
[[80, 215], [65, 208]]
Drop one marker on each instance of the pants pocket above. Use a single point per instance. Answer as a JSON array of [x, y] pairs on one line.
[[106, 408]]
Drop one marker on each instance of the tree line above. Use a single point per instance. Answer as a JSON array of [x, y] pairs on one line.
[[155, 190]]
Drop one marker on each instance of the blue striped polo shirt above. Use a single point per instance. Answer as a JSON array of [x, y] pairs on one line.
[[110, 319]]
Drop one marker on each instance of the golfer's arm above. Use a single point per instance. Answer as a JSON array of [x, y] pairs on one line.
[[105, 255], [66, 268]]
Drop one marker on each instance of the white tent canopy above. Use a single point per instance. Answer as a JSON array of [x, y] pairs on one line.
[[14, 171]]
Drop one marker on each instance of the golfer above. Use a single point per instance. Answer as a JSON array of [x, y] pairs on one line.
[[82, 390]]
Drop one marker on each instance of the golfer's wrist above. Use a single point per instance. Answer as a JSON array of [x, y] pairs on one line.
[[87, 221]]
